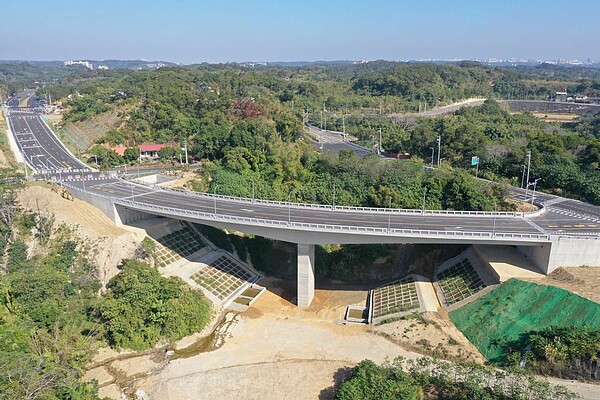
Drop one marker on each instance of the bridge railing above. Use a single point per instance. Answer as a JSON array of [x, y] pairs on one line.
[[171, 211], [407, 211]]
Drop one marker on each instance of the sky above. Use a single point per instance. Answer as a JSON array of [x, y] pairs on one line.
[[195, 31]]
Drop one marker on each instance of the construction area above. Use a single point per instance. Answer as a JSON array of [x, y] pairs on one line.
[[301, 352], [456, 282]]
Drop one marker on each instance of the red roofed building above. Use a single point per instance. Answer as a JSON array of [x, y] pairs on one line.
[[119, 150], [150, 150]]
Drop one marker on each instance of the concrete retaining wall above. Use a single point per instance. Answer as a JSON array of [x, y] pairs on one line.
[[564, 252], [551, 107], [120, 215], [13, 144]]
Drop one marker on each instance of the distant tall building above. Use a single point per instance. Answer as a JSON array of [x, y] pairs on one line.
[[86, 64]]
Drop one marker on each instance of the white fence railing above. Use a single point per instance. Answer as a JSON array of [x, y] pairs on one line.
[[249, 201], [331, 228]]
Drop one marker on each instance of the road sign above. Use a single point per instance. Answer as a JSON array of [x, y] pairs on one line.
[[474, 161]]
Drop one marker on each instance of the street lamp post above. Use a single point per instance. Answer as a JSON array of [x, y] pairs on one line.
[[333, 201], [439, 141], [424, 194], [390, 215], [528, 167], [534, 186], [432, 155], [522, 177], [290, 207], [215, 199], [494, 227]]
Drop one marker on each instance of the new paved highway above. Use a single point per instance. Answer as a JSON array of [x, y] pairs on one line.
[[38, 144]]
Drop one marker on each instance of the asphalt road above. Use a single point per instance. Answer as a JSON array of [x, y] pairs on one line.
[[38, 144], [207, 204], [335, 141]]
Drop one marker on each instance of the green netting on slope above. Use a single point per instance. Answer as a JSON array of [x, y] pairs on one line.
[[517, 307]]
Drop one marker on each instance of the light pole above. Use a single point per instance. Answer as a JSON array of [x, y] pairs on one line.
[[522, 177], [379, 147], [290, 207], [186, 151], [215, 199], [432, 155], [321, 112], [96, 158], [333, 201], [390, 215], [494, 227], [528, 166], [534, 186], [253, 191], [439, 141], [424, 194]]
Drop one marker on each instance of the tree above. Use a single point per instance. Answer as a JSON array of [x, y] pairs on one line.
[[131, 154], [167, 153], [372, 382], [142, 307]]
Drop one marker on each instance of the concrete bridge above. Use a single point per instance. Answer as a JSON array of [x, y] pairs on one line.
[[309, 224]]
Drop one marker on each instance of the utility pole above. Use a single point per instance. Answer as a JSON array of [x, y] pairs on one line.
[[534, 186], [321, 120], [522, 176], [186, 153], [333, 201], [379, 141], [432, 155], [439, 140], [528, 167]]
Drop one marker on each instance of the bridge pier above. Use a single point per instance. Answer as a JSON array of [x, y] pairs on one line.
[[306, 274]]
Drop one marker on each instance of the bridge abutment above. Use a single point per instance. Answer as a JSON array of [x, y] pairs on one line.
[[306, 274], [563, 251]]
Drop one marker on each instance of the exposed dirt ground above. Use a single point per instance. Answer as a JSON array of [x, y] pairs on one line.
[[183, 178], [276, 349], [584, 281], [106, 243], [547, 117], [431, 334]]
